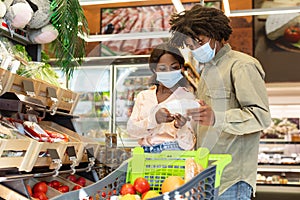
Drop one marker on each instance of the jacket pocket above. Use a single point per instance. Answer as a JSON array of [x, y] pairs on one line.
[[218, 94]]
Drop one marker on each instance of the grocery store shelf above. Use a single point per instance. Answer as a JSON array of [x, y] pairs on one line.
[[277, 141], [279, 167]]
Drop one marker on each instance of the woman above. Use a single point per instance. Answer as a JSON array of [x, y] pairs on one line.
[[151, 122]]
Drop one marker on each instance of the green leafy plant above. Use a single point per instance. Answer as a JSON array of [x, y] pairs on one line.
[[69, 49]]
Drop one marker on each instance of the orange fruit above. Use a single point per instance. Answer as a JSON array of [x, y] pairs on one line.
[[171, 183]]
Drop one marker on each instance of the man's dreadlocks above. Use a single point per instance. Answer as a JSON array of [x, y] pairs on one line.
[[207, 21]]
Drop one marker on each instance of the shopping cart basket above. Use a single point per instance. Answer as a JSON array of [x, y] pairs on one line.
[[156, 167]]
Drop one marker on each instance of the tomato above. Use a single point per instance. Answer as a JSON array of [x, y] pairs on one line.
[[127, 188], [29, 190], [103, 194], [63, 188], [81, 181], [292, 34], [72, 178], [76, 187], [55, 184], [40, 187], [141, 185], [40, 196]]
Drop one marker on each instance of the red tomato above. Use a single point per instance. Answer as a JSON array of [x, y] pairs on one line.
[[40, 196], [292, 34], [55, 184], [63, 188], [127, 188], [72, 178], [76, 187], [103, 194], [81, 181], [29, 190], [40, 187], [141, 185]]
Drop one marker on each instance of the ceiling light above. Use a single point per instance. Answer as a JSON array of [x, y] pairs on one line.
[[178, 5], [125, 36], [258, 11]]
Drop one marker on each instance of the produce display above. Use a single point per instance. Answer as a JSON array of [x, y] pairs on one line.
[[15, 58], [49, 187]]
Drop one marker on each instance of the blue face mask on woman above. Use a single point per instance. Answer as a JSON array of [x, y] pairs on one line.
[[170, 78], [204, 53]]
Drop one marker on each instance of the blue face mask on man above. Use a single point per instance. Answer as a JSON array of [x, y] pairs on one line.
[[170, 78], [204, 53]]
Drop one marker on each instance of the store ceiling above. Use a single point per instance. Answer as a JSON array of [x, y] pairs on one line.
[[92, 2]]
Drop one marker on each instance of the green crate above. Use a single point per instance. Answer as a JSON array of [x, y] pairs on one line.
[[156, 167]]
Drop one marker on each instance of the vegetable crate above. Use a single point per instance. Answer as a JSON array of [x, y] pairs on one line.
[[73, 141], [67, 100], [17, 152], [85, 143], [48, 94], [5, 80], [157, 167]]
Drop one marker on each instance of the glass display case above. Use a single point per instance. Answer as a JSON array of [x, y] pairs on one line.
[[108, 87], [129, 81]]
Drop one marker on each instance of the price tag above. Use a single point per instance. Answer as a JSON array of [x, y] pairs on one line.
[[51, 92], [53, 154], [28, 87], [90, 152], [71, 152]]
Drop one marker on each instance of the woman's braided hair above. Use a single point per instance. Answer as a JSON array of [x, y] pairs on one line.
[[199, 20]]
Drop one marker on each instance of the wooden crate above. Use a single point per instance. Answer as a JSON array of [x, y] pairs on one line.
[[74, 141], [47, 93], [86, 142], [5, 80], [67, 100], [46, 160], [9, 194], [23, 85], [17, 152]]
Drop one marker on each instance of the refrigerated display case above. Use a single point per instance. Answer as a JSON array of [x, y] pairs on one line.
[[107, 88], [129, 81]]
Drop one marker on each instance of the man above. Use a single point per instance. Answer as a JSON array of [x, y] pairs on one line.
[[234, 102]]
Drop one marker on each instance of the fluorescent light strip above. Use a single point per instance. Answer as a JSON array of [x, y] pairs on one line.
[[258, 11], [178, 5], [226, 7], [265, 11], [90, 2], [125, 36]]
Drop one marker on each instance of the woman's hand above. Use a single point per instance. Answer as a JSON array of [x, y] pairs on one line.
[[179, 121], [163, 116], [203, 115]]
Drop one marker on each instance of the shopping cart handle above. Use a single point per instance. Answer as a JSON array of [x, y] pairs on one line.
[[221, 161]]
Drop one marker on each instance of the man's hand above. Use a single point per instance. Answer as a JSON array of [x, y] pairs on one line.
[[203, 115]]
